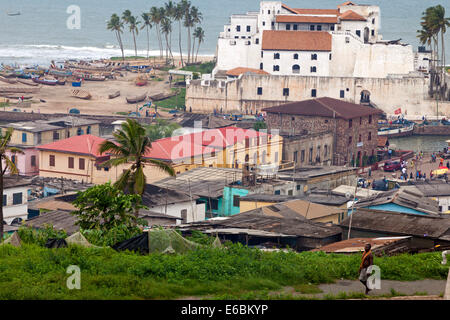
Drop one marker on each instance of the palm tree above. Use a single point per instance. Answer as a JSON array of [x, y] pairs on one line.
[[5, 139], [155, 16], [440, 22], [114, 24], [196, 17], [199, 34], [169, 9], [133, 23], [188, 24], [132, 144], [178, 15], [166, 29], [147, 24]]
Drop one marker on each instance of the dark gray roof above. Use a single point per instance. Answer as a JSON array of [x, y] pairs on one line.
[[157, 196], [151, 214], [203, 182], [395, 223], [300, 227], [60, 220], [50, 125], [312, 171], [325, 198], [434, 189], [15, 181]]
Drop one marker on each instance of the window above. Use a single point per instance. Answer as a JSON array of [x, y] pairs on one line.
[[107, 169], [17, 198], [311, 28], [277, 192], [290, 192], [360, 120], [314, 56], [347, 39], [257, 41], [373, 21], [373, 33], [24, 137], [286, 92], [238, 28], [260, 91], [14, 159], [325, 151], [276, 68], [295, 156], [296, 69], [184, 215], [268, 11], [332, 28], [71, 162], [247, 143], [359, 138], [236, 200], [5, 200], [330, 56], [313, 69], [313, 93], [370, 119], [214, 204], [81, 164], [88, 130], [262, 54], [248, 28], [295, 26], [319, 28], [358, 33], [288, 27], [370, 136], [350, 123], [342, 94], [51, 160], [310, 155], [302, 156], [273, 24], [276, 56], [55, 135], [298, 187], [350, 139], [33, 161], [296, 56]]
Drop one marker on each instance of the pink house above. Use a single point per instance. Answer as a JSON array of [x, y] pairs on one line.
[[26, 162]]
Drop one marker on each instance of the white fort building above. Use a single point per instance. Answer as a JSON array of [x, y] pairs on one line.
[[281, 54]]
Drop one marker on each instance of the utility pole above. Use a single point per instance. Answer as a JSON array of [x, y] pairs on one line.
[[353, 207]]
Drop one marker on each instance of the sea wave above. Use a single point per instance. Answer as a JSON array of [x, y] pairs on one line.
[[43, 54]]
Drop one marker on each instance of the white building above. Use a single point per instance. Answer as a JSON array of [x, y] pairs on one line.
[[342, 42], [15, 199]]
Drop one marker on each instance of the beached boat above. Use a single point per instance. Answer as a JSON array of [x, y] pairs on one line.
[[140, 81], [94, 77], [114, 95], [61, 82], [15, 96], [28, 82], [48, 82], [7, 80], [137, 98], [162, 96], [12, 14], [397, 132], [60, 73], [80, 94]]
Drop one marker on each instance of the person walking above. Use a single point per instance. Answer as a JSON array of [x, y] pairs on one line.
[[366, 262]]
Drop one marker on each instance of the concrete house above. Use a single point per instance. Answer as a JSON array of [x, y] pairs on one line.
[[27, 136], [15, 199]]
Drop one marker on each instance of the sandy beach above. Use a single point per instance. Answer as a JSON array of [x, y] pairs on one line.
[[58, 98]]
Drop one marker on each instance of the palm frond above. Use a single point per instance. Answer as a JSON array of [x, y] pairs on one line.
[[162, 166]]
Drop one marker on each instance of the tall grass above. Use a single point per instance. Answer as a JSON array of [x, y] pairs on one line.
[[34, 272]]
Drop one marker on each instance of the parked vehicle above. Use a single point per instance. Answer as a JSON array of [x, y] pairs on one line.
[[392, 166]]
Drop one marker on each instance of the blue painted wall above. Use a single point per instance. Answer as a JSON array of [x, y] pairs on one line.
[[396, 208], [227, 205]]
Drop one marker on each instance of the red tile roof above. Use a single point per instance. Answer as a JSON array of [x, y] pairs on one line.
[[325, 107], [305, 19], [351, 15], [85, 144], [236, 72], [200, 143], [296, 40], [317, 11], [288, 8]]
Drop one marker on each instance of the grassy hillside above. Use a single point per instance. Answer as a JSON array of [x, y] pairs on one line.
[[34, 272]]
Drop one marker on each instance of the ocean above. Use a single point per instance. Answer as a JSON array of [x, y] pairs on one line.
[[40, 33]]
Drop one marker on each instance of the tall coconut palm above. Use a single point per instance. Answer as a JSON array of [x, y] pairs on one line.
[[133, 23], [166, 29], [178, 15], [155, 15], [169, 9], [147, 24], [441, 23], [132, 144], [115, 25], [196, 17], [6, 164], [188, 24], [199, 34]]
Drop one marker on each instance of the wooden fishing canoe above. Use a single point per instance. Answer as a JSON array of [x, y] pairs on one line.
[[114, 95], [80, 94], [162, 96], [137, 98], [28, 82]]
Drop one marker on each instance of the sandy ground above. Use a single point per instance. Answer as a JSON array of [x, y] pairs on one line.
[[58, 98]]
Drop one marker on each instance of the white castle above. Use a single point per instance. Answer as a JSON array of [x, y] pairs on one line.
[[342, 42]]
